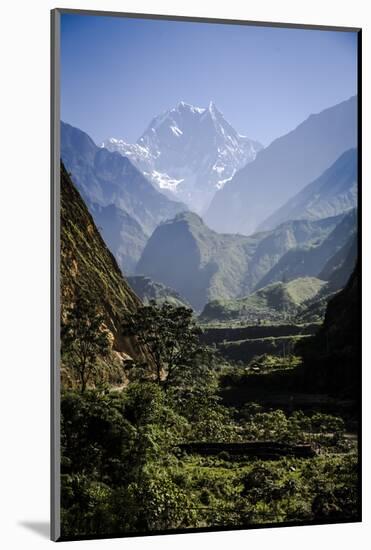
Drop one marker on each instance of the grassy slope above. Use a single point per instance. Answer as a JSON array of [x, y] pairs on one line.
[[186, 255], [271, 303]]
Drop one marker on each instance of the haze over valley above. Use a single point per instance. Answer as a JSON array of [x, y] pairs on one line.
[[156, 201]]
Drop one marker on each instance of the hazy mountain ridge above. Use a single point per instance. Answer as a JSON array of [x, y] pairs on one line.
[[203, 265], [123, 235], [290, 235], [310, 260], [302, 299], [333, 193], [149, 290], [105, 179], [283, 169], [189, 152], [186, 255]]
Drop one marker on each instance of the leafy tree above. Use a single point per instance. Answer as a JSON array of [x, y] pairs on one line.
[[171, 337], [83, 338]]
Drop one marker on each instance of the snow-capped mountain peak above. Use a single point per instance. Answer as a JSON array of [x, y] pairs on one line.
[[212, 109], [189, 151], [182, 105]]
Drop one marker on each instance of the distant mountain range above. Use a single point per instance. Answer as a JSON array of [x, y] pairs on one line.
[[149, 290], [302, 299], [203, 265], [189, 153], [334, 192], [309, 260], [283, 169], [125, 206], [123, 234], [301, 191], [200, 264]]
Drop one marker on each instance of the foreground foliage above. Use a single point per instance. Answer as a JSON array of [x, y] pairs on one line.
[[124, 469]]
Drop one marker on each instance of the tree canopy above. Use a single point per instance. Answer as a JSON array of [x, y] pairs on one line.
[[84, 338], [172, 339]]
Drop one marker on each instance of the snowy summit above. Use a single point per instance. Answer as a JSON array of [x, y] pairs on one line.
[[190, 152]]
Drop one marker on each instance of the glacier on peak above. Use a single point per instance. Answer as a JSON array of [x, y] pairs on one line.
[[190, 152]]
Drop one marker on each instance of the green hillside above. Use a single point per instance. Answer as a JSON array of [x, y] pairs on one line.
[[273, 303], [311, 259], [202, 265]]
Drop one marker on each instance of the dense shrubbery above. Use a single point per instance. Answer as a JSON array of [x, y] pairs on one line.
[[112, 445], [122, 470]]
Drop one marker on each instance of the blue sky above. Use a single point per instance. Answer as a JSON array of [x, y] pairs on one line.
[[117, 73]]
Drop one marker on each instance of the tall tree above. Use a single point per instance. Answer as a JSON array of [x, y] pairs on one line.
[[171, 337], [84, 338]]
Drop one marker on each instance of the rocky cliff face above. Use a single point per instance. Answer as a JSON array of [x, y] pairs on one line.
[[87, 265]]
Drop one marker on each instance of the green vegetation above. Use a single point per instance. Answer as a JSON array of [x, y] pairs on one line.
[[245, 350], [171, 337], [83, 338], [273, 303], [124, 469], [122, 472], [142, 385], [202, 265], [312, 258]]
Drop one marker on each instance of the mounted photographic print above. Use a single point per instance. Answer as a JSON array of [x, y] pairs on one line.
[[206, 364]]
